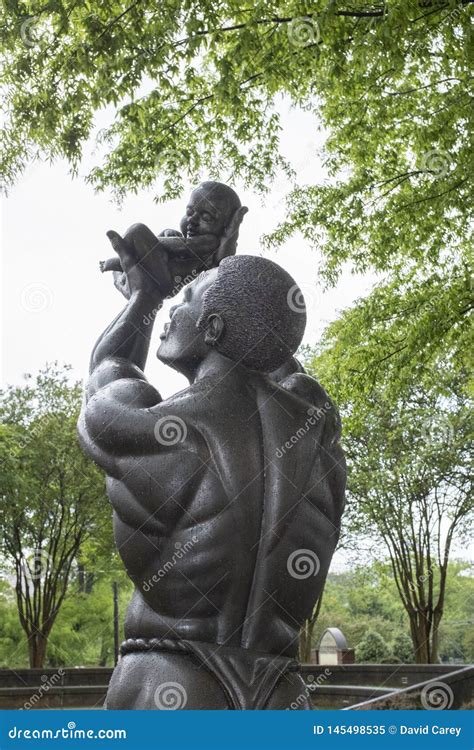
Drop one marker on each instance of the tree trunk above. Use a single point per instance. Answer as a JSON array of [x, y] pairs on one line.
[[435, 638], [306, 633], [305, 642], [421, 632], [37, 644]]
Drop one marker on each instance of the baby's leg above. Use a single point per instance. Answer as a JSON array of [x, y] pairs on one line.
[[141, 239], [112, 264]]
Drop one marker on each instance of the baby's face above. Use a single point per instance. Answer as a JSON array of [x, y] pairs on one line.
[[207, 212]]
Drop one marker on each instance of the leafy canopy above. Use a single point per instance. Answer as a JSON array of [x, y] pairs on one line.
[[193, 86]]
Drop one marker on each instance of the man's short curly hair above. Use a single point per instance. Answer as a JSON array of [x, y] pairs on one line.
[[262, 308]]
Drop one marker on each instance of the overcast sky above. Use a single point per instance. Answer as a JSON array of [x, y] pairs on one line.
[[55, 300]]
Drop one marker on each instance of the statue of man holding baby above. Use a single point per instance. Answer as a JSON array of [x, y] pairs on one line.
[[226, 533]]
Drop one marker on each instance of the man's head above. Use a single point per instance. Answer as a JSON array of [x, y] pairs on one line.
[[245, 309], [209, 210]]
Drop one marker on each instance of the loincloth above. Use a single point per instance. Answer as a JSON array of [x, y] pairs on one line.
[[247, 678]]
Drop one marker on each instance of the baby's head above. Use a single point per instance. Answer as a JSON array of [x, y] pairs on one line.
[[209, 210]]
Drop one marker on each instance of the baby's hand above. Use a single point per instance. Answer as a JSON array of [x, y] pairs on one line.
[[170, 233]]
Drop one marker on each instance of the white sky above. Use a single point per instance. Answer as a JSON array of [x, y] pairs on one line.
[[55, 300]]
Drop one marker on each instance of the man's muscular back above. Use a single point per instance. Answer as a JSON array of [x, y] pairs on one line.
[[207, 545]]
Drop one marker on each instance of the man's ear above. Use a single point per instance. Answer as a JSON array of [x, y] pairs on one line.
[[214, 329]]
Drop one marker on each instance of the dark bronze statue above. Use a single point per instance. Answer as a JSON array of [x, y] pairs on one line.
[[228, 496], [196, 246]]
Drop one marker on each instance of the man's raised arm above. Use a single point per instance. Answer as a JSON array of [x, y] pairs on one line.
[[116, 416]]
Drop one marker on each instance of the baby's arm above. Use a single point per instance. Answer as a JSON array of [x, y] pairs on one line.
[[199, 246]]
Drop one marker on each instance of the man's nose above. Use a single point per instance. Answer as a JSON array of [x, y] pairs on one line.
[[172, 310], [194, 218]]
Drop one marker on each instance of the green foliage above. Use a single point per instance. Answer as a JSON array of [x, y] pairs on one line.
[[13, 648], [192, 89], [366, 598], [407, 429], [360, 600], [402, 648], [372, 648], [84, 631], [456, 630], [194, 86], [52, 499]]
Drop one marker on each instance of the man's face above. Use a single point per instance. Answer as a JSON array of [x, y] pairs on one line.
[[207, 212], [182, 344]]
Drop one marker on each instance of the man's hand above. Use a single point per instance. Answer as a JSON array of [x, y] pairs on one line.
[[228, 243], [155, 281]]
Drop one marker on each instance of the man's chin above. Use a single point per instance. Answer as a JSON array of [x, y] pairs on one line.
[[167, 356]]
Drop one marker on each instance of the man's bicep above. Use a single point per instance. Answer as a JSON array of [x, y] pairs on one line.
[[116, 414], [115, 369], [119, 417]]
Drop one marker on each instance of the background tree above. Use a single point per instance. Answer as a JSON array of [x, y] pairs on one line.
[[51, 500], [365, 597], [407, 445], [373, 648], [402, 648], [193, 89]]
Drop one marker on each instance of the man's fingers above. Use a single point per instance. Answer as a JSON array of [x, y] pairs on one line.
[[127, 259], [236, 221], [121, 283]]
